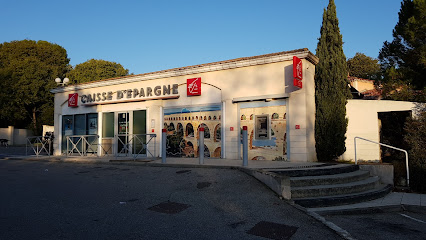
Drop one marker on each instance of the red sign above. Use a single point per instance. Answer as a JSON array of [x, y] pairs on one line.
[[193, 87], [297, 126], [73, 100], [297, 82], [297, 72]]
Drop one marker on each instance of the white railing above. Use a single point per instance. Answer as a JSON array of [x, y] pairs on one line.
[[381, 144], [83, 144], [137, 144], [38, 144]]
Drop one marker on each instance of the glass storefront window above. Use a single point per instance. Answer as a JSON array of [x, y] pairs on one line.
[[92, 124], [139, 127], [108, 125], [80, 124], [67, 125]]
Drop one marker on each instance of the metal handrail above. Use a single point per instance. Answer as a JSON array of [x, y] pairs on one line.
[[382, 144], [85, 144], [132, 142], [38, 145]]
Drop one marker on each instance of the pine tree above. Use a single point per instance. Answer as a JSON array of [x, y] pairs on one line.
[[331, 89], [406, 54]]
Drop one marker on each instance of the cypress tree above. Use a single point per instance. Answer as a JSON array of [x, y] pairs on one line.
[[331, 89]]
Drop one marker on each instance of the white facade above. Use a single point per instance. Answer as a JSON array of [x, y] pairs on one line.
[[261, 79], [364, 122]]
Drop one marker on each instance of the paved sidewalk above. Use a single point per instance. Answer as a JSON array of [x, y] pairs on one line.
[[178, 162], [253, 164], [392, 202]]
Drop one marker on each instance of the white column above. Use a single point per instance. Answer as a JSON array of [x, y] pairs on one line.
[[11, 130]]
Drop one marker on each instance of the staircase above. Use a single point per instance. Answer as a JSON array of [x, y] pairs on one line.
[[324, 185]]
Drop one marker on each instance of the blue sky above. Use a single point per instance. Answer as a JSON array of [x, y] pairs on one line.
[[146, 36]]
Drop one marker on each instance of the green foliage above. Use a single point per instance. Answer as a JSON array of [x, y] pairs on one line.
[[362, 66], [416, 138], [399, 91], [406, 54], [331, 89], [93, 70], [27, 72]]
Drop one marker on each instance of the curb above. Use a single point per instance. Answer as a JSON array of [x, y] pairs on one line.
[[135, 162], [338, 230], [360, 210], [372, 209]]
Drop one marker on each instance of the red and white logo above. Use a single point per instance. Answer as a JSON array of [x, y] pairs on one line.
[[297, 72], [73, 100], [193, 87]]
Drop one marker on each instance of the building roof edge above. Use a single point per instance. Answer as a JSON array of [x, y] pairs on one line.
[[194, 69]]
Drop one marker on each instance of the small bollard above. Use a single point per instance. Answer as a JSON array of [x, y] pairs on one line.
[[245, 147], [163, 145], [201, 145]]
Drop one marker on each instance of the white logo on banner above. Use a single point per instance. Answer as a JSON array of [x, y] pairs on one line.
[[193, 87]]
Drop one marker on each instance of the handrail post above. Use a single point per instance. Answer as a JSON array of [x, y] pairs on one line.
[[201, 145], [356, 160], [399, 149], [408, 172], [163, 145], [245, 147], [37, 151], [49, 141], [155, 145]]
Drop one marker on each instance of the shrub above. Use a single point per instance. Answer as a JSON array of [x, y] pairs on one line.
[[415, 136]]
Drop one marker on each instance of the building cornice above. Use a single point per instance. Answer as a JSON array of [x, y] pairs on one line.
[[197, 69]]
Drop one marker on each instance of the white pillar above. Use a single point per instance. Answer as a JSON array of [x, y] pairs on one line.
[[245, 147], [163, 145], [11, 130], [201, 145]]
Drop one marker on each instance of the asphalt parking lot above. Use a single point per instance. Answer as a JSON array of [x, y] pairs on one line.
[[386, 225], [57, 200]]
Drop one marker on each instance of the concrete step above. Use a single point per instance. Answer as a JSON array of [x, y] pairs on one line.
[[334, 189], [329, 179], [337, 200], [327, 169]]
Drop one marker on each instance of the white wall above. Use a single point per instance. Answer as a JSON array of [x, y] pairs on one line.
[[364, 122], [220, 86], [15, 136], [301, 111]]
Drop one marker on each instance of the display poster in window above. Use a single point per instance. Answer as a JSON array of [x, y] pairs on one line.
[[123, 123], [68, 127], [266, 129], [93, 125], [182, 126], [122, 128]]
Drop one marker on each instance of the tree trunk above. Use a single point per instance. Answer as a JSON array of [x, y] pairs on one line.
[[35, 121]]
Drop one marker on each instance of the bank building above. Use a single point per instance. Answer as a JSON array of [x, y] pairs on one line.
[[273, 95]]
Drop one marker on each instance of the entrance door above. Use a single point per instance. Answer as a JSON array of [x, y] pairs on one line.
[[123, 146], [139, 137]]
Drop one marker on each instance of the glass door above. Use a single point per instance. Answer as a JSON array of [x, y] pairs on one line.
[[139, 132], [67, 130], [108, 133], [123, 146]]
